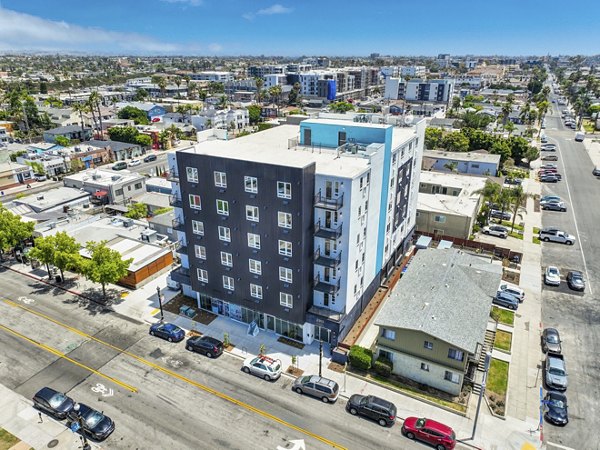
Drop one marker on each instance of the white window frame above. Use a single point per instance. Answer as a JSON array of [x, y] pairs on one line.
[[438, 218], [200, 251], [284, 189], [256, 290], [228, 283], [254, 240], [428, 345], [286, 274], [286, 300], [425, 367], [202, 275], [251, 185], [220, 179], [281, 220], [224, 233], [255, 266], [388, 334], [198, 227], [252, 213], [285, 248], [456, 354], [193, 204], [227, 259], [225, 211], [191, 174], [452, 377]]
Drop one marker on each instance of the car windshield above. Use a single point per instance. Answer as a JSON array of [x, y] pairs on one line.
[[552, 272], [57, 399], [557, 403], [556, 371], [552, 338], [94, 419]]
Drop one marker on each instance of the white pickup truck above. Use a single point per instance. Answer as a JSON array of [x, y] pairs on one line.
[[556, 236]]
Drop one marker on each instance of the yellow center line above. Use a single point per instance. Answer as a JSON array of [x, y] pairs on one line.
[[71, 360], [189, 381]]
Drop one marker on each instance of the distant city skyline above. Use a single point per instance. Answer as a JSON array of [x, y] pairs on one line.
[[292, 28]]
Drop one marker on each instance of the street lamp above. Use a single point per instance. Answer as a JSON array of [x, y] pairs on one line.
[[160, 302], [320, 356], [488, 359], [86, 444]]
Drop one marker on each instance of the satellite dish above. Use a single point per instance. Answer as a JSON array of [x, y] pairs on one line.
[[408, 119]]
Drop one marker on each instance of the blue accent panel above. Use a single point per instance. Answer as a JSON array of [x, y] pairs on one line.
[[326, 134], [331, 89], [385, 186]]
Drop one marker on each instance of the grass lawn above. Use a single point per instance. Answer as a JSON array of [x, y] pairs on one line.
[[497, 380], [588, 126], [515, 234], [535, 240], [7, 440], [503, 316], [536, 230], [503, 340], [508, 223]]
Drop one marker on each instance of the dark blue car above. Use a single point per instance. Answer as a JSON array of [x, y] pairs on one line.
[[168, 331], [507, 300], [95, 424], [53, 402]]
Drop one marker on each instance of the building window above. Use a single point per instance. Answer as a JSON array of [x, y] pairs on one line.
[[225, 234], [223, 207], [425, 367], [251, 185], [192, 174], [284, 190], [386, 355], [254, 240], [388, 334], [286, 300], [439, 219], [285, 274], [200, 251], [227, 259], [256, 291], [428, 345], [285, 248], [284, 220], [456, 354], [202, 275], [137, 185], [228, 283], [117, 192], [255, 266], [252, 213], [221, 179], [195, 201], [198, 227], [452, 377]]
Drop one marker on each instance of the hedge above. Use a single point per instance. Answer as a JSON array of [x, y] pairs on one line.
[[383, 367], [360, 357]]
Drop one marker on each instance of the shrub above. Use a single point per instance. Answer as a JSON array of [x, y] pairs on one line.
[[360, 357], [383, 367]]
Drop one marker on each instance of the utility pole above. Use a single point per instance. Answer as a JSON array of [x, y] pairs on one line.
[[160, 302], [488, 359], [320, 357]]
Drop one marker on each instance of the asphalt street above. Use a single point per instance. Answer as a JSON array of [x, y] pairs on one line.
[[575, 315], [159, 394]]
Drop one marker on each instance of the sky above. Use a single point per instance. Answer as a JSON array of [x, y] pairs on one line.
[[301, 27]]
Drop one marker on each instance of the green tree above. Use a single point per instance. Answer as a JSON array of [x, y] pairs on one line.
[[501, 147], [294, 97], [518, 198], [451, 166], [13, 231], [531, 155], [254, 114], [94, 102], [341, 107], [275, 93], [43, 251], [455, 142], [138, 116], [105, 265], [433, 138], [510, 127], [81, 108], [37, 167], [62, 141], [471, 119], [141, 95], [137, 211], [66, 252], [259, 85]]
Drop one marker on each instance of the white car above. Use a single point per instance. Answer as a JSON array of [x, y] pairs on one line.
[[263, 366], [496, 230], [552, 276], [513, 290], [134, 162]]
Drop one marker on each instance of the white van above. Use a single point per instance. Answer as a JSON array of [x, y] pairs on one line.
[[579, 136]]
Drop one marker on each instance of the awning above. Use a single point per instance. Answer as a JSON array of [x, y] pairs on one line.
[[423, 242], [118, 208], [100, 194], [445, 244]]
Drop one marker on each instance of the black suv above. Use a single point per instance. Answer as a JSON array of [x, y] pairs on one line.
[[149, 158], [206, 345], [375, 408]]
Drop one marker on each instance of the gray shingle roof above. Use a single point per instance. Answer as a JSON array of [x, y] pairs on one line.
[[446, 294]]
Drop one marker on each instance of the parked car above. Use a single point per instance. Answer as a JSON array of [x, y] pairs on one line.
[[206, 345], [575, 280], [325, 389], [544, 139], [168, 331], [596, 171], [548, 148], [548, 166], [441, 436], [507, 300], [556, 372], [503, 215], [149, 158], [550, 178], [554, 235], [40, 177], [263, 366], [548, 170], [134, 162], [121, 165], [554, 206], [513, 290], [495, 230], [551, 341], [549, 158], [53, 402], [549, 198], [552, 276], [555, 408], [375, 408], [513, 181], [95, 423], [551, 173]]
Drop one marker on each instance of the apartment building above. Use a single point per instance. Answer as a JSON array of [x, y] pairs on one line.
[[429, 90], [294, 228], [413, 71], [211, 75]]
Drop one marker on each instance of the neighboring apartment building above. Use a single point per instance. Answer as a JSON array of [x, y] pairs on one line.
[[413, 71], [429, 90], [209, 75], [448, 204], [221, 118], [12, 174], [107, 186], [294, 228], [473, 163], [72, 132], [437, 338]]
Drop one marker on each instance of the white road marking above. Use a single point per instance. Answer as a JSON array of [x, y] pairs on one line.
[[297, 444], [563, 447], [572, 209]]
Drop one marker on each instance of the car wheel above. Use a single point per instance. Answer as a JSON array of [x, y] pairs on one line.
[[486, 232], [569, 242], [189, 347], [246, 369], [513, 307], [353, 411], [546, 239], [382, 422], [170, 339], [267, 378], [299, 391], [152, 333], [563, 210], [440, 447], [325, 399], [410, 435], [209, 355]]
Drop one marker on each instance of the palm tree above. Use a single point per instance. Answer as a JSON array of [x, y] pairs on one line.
[[518, 196], [81, 108], [162, 85], [451, 166], [490, 193], [177, 81], [94, 102], [510, 127], [259, 85], [275, 92]]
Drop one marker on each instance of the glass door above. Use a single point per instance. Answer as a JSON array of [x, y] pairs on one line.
[[270, 322]]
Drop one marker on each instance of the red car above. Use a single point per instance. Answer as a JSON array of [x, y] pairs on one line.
[[441, 436]]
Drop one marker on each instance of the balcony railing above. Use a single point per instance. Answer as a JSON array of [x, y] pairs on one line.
[[327, 287], [327, 232], [173, 175], [327, 260], [181, 275], [178, 225], [329, 202], [175, 200], [182, 248]]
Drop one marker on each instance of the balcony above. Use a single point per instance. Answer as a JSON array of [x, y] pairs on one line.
[[327, 233], [178, 225], [181, 275], [175, 200], [327, 287], [327, 260], [173, 175], [333, 204], [182, 248]]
